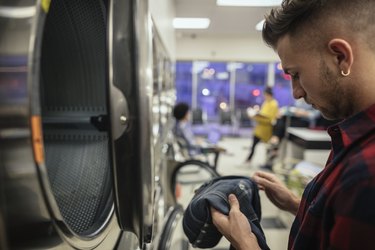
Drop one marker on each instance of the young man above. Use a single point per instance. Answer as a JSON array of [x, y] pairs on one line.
[[327, 47]]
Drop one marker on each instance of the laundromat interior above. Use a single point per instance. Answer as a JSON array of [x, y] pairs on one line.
[[89, 158]]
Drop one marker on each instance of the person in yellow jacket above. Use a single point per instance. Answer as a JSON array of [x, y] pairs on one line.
[[264, 119]]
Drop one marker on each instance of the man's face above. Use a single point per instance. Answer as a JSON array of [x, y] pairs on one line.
[[314, 78]]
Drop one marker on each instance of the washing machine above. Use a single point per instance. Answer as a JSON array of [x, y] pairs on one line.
[[77, 165]]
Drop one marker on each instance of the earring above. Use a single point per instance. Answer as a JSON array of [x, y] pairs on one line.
[[345, 74]]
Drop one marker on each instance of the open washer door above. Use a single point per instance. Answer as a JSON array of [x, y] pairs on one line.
[[75, 139], [131, 106], [56, 160]]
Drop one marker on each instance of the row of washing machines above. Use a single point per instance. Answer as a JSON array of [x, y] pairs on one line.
[[86, 156]]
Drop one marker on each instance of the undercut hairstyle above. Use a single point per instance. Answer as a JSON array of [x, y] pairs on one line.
[[180, 110], [316, 19]]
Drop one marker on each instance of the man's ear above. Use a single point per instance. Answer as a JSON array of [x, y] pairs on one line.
[[343, 53]]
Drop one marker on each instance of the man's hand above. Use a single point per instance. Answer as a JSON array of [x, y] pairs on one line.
[[235, 227], [277, 192]]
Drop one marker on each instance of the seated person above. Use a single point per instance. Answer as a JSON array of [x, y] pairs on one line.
[[183, 132]]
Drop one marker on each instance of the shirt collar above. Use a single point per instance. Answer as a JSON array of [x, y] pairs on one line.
[[353, 128]]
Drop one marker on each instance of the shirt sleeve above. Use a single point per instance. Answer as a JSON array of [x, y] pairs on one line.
[[354, 216]]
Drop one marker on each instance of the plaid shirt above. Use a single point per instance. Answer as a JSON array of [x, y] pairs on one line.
[[337, 210]]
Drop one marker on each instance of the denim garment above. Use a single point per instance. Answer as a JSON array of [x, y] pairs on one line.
[[197, 221]]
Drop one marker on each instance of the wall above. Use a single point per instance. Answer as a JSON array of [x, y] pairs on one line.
[[196, 47], [162, 13], [224, 49]]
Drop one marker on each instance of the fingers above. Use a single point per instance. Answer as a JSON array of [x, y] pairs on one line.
[[265, 180], [262, 183], [222, 221], [233, 202], [215, 214], [260, 187], [218, 219], [265, 175]]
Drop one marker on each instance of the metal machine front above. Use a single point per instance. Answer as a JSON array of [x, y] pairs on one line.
[[56, 161], [76, 163], [80, 164]]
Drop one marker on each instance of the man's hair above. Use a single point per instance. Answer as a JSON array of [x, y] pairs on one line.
[[313, 17], [180, 110]]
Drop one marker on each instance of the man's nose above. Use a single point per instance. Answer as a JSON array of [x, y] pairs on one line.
[[298, 91]]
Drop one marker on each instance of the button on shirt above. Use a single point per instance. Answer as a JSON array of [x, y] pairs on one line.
[[337, 209]]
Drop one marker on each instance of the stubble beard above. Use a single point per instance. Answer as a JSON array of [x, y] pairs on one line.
[[338, 104]]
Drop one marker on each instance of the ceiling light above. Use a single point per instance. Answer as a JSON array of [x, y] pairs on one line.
[[259, 26], [251, 3], [191, 23], [17, 12]]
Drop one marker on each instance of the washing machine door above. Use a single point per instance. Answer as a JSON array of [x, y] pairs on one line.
[[131, 90], [73, 146]]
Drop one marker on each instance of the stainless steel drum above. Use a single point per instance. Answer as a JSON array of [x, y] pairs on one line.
[[76, 163], [80, 167]]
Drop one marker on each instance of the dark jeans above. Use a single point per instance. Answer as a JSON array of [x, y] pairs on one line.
[[197, 221]]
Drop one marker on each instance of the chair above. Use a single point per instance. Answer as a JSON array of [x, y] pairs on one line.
[[197, 116], [243, 118], [225, 117], [204, 155]]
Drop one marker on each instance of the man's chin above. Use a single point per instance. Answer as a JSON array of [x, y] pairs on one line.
[[329, 117]]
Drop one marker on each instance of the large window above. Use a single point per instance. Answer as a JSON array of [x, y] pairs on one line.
[[250, 81], [213, 87], [282, 88], [184, 85]]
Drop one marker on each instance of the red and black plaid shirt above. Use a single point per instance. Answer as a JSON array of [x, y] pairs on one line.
[[337, 210]]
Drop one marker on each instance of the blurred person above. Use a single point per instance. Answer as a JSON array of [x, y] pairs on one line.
[[327, 48], [300, 114], [304, 112], [183, 131], [264, 119]]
